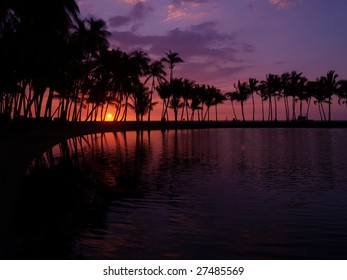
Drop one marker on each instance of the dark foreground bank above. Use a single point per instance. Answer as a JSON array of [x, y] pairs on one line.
[[91, 127]]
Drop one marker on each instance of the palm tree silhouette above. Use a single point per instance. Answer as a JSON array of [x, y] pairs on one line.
[[90, 39], [141, 101], [302, 94], [164, 93], [295, 83], [157, 73], [186, 95], [263, 97], [233, 96], [172, 58], [196, 100], [253, 88], [317, 90], [218, 99], [212, 97], [91, 36], [331, 85], [342, 92], [176, 89], [271, 87], [242, 91], [285, 92], [140, 61]]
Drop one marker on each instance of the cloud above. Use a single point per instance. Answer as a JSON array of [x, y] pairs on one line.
[[135, 16], [134, 2], [179, 9], [284, 4], [175, 12], [201, 39], [207, 52], [119, 21]]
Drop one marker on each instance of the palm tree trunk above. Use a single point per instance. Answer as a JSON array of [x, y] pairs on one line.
[[253, 105], [308, 106], [242, 111], [163, 109], [90, 114], [166, 113], [48, 110], [262, 109], [270, 109], [119, 107], [216, 113], [300, 107], [320, 111], [176, 113], [234, 112], [202, 112], [286, 105], [330, 100], [323, 111], [150, 100], [182, 113], [293, 108], [275, 108], [125, 112], [187, 114]]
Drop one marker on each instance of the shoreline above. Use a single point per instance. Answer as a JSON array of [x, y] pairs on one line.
[[103, 126]]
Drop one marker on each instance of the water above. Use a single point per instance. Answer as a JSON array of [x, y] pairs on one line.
[[195, 194]]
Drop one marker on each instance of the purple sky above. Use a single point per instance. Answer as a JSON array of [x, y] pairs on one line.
[[222, 41]]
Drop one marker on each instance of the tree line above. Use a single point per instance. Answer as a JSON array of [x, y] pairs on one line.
[[293, 89], [53, 64]]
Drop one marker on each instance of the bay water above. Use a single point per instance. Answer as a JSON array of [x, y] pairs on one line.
[[241, 193]]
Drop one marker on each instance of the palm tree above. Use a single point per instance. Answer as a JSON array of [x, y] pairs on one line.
[[295, 88], [34, 24], [331, 84], [233, 96], [252, 82], [157, 73], [270, 86], [141, 62], [172, 58], [263, 96], [176, 87], [243, 92], [195, 103], [186, 95], [43, 22], [276, 92], [218, 99], [342, 92], [10, 92], [317, 90], [302, 94], [285, 92], [89, 38], [91, 35], [209, 100], [310, 89], [141, 102], [164, 92]]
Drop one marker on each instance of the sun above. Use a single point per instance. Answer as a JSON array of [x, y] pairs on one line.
[[109, 117]]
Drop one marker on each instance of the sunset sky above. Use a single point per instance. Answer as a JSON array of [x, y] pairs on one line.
[[222, 41]]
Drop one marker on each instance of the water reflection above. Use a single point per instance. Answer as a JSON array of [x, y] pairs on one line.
[[199, 194]]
